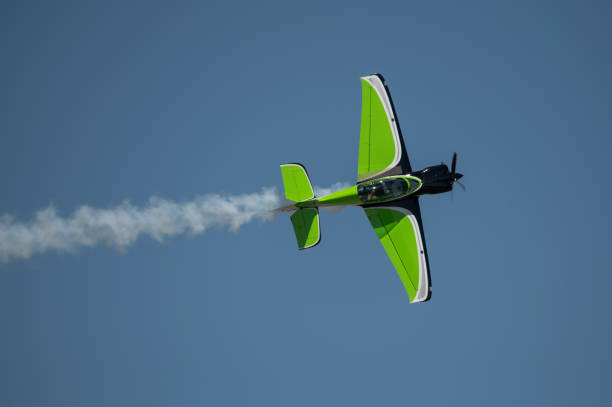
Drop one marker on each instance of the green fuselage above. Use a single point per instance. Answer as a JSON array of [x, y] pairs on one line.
[[370, 192]]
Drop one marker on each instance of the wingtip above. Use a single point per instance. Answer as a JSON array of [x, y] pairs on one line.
[[378, 75]]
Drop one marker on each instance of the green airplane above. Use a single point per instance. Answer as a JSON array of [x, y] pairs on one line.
[[387, 189]]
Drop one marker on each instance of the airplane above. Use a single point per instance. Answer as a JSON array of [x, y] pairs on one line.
[[387, 188]]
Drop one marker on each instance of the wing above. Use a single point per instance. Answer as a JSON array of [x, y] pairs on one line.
[[381, 147], [400, 230]]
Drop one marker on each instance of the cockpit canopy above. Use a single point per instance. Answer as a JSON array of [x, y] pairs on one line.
[[383, 190]]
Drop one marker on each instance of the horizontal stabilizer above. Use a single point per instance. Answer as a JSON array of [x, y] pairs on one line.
[[296, 182], [306, 227]]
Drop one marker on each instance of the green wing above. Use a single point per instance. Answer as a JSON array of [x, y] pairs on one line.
[[381, 148], [399, 229]]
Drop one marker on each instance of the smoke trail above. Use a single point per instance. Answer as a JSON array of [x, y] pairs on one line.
[[320, 191], [121, 226]]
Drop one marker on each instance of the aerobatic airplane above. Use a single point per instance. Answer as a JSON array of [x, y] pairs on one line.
[[387, 188]]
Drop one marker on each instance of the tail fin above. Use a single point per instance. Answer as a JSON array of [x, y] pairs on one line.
[[297, 184], [305, 221]]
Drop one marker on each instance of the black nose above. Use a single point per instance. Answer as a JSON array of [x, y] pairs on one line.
[[458, 176]]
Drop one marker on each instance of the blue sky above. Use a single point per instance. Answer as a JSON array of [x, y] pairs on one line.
[[103, 102]]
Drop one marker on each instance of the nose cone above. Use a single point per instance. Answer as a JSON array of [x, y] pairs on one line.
[[458, 176]]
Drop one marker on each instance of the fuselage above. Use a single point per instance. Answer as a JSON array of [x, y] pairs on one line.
[[431, 180]]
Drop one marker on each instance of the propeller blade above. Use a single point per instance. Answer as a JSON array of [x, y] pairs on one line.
[[461, 185], [454, 164]]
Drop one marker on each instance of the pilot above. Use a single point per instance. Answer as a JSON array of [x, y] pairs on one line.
[[371, 193]]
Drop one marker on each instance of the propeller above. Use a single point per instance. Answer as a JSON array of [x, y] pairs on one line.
[[455, 176]]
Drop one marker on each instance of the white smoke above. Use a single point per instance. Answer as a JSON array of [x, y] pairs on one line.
[[122, 225], [321, 191]]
